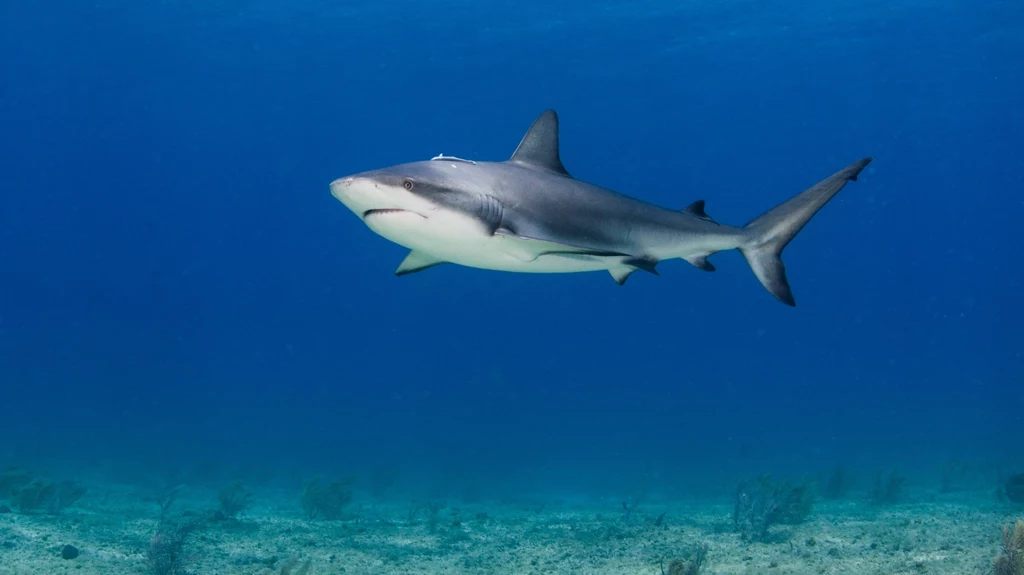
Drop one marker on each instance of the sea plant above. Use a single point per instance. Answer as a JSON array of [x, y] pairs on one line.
[[627, 509], [838, 484], [888, 488], [47, 496], [66, 494], [1013, 488], [953, 476], [12, 479], [326, 501], [764, 503], [1011, 557], [433, 508], [34, 495], [381, 480], [234, 499], [689, 566], [165, 498], [167, 553], [291, 566]]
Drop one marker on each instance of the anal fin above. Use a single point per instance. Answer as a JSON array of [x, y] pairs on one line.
[[645, 264], [417, 261], [629, 265], [700, 261]]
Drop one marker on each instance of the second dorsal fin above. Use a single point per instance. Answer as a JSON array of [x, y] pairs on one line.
[[697, 209], [539, 147]]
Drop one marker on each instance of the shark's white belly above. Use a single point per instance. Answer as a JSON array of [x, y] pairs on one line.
[[452, 237]]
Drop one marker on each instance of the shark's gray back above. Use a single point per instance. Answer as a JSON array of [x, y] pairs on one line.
[[551, 206]]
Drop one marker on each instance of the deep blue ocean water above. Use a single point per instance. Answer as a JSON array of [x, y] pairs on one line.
[[180, 293]]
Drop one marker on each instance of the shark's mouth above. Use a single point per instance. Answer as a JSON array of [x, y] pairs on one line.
[[385, 212]]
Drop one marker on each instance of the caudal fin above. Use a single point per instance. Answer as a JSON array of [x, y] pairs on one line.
[[768, 234]]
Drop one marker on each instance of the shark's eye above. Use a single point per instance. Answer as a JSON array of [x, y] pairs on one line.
[[407, 184]]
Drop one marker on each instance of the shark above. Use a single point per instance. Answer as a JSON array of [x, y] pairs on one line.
[[528, 214]]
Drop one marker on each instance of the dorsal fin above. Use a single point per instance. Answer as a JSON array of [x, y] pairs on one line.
[[539, 147], [697, 209]]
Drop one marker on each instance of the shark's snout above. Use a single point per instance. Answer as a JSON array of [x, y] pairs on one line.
[[373, 194], [359, 194], [339, 186]]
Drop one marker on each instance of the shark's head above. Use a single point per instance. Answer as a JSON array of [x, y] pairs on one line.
[[423, 189], [448, 207], [416, 202], [389, 191]]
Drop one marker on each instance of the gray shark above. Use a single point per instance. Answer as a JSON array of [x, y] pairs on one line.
[[527, 214]]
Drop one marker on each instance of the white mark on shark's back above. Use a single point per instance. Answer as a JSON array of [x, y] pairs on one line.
[[442, 157]]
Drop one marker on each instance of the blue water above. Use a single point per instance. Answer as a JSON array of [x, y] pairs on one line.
[[179, 291]]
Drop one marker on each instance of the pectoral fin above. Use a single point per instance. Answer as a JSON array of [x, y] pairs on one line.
[[417, 261]]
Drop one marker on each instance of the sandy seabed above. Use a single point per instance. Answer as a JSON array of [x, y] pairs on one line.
[[112, 528]]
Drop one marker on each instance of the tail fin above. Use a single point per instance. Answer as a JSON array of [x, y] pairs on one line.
[[769, 233]]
